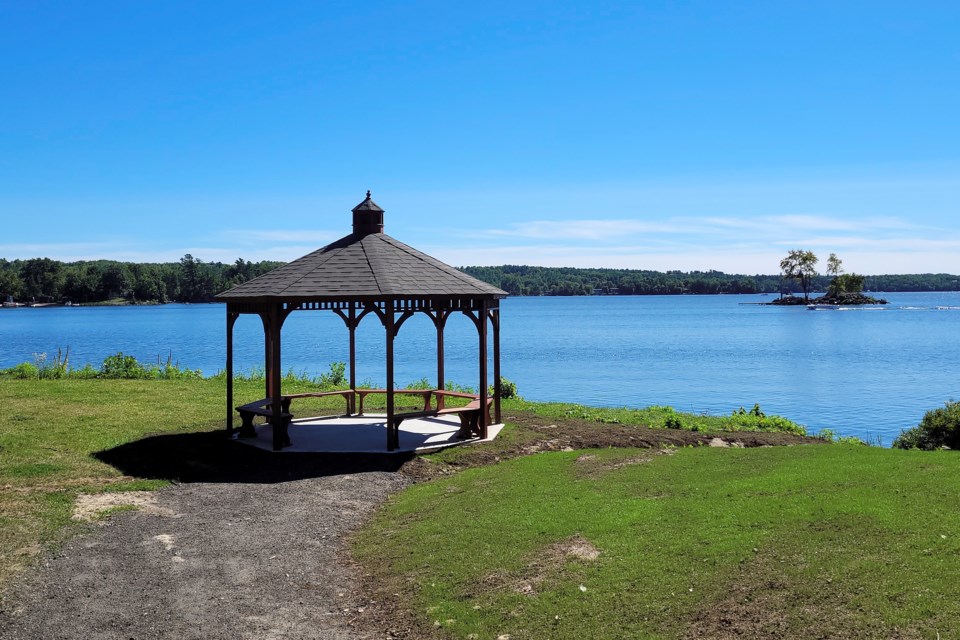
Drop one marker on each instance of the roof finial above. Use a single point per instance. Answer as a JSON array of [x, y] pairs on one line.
[[367, 217]]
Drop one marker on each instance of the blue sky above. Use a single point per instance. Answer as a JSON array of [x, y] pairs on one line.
[[653, 135]]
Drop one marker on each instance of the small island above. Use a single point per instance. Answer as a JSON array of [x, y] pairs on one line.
[[846, 289], [828, 300]]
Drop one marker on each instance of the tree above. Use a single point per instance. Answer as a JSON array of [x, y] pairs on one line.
[[847, 283], [842, 282], [800, 265], [834, 265], [42, 278], [835, 268], [115, 281], [10, 284], [82, 283]]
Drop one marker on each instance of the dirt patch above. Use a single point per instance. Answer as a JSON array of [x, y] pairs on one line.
[[535, 435], [584, 434], [590, 466], [90, 507], [720, 442], [575, 548], [546, 562]]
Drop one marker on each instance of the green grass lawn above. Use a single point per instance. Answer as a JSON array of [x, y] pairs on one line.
[[800, 542]]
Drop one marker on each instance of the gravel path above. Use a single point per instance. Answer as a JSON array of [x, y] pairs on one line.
[[221, 560]]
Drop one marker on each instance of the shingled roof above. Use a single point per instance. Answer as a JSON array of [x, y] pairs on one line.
[[365, 265]]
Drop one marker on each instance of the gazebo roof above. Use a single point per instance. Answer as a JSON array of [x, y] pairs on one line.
[[365, 265]]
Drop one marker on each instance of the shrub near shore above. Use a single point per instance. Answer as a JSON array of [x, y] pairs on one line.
[[940, 428]]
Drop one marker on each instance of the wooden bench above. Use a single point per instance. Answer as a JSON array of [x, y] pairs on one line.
[[347, 395], [469, 414], [424, 393], [469, 417], [263, 408]]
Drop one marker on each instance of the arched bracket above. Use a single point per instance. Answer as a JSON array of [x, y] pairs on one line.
[[494, 316], [284, 312], [372, 308], [398, 322], [439, 318], [474, 317]]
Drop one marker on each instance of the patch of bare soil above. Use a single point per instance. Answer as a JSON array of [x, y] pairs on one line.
[[89, 507], [546, 562], [536, 435], [552, 559], [590, 466]]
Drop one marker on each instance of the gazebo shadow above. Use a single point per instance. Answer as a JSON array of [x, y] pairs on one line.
[[211, 457]]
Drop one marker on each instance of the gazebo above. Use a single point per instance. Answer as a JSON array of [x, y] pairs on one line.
[[364, 273]]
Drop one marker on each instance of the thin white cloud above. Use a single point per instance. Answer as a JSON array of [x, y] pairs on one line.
[[819, 223], [764, 228], [884, 245], [257, 236], [52, 250], [583, 229], [825, 223]]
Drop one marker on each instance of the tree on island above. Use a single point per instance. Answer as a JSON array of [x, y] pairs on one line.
[[800, 265], [843, 284], [834, 265]]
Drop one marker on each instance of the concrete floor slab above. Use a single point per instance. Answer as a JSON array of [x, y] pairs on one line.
[[366, 434]]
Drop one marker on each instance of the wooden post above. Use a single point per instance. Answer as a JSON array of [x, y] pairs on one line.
[[231, 320], [351, 320], [392, 437], [482, 329], [280, 437], [267, 359], [495, 318], [352, 325], [440, 321]]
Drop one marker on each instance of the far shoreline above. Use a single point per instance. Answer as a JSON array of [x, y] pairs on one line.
[[794, 300]]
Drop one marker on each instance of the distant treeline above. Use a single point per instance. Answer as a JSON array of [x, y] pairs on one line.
[[561, 281], [192, 280], [189, 280]]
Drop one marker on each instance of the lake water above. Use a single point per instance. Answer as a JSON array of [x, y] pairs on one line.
[[866, 372]]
